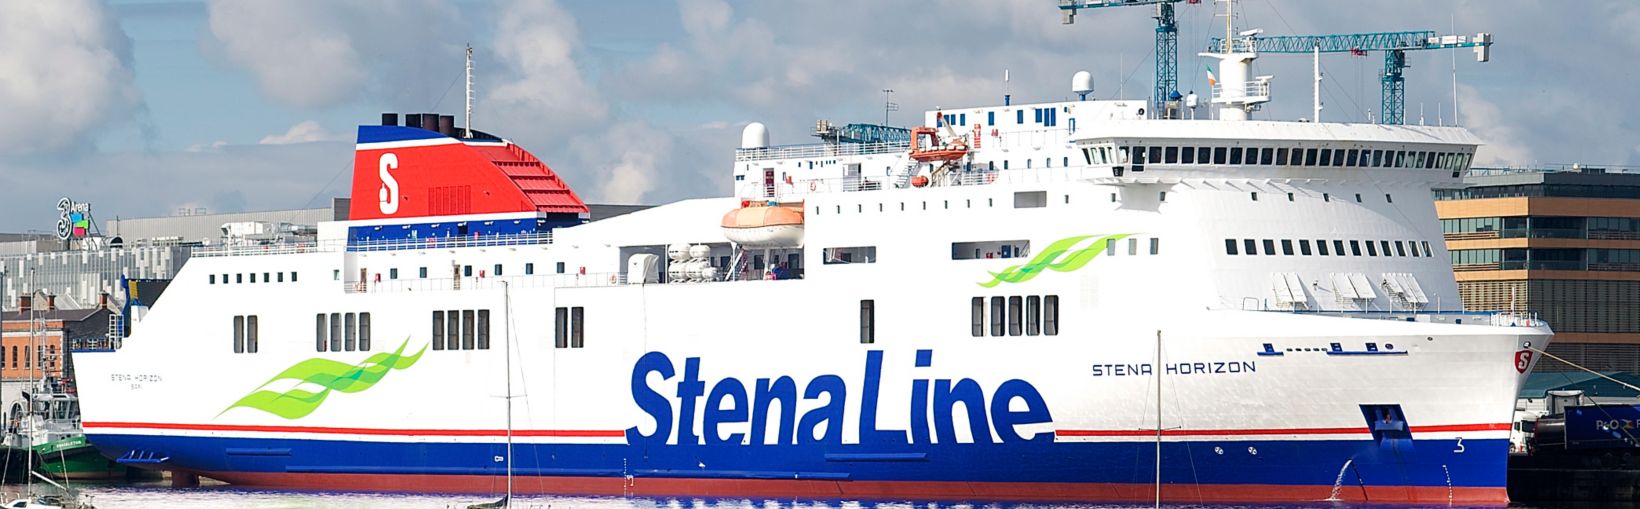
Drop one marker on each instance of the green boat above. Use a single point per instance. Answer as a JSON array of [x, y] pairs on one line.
[[74, 458]]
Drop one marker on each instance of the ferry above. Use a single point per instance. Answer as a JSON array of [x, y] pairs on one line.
[[1059, 301]]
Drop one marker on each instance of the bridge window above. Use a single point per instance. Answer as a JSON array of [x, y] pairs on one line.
[[1372, 249], [1220, 155], [1188, 156], [1281, 156], [1304, 247], [1321, 247], [1309, 157], [1326, 154], [1171, 156], [1235, 155], [1355, 248], [1287, 247], [1269, 247], [1338, 157], [1401, 249], [1266, 156], [1385, 245], [1350, 158], [1229, 246], [1251, 247]]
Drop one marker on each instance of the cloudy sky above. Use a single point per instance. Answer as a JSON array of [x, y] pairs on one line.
[[145, 107]]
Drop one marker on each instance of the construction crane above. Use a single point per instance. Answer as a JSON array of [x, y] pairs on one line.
[[1167, 42], [1392, 105]]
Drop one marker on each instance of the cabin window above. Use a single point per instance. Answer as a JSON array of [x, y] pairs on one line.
[[1372, 249], [1030, 199], [976, 316], [1385, 245], [1389, 199], [998, 320], [1358, 197], [466, 271], [845, 255], [240, 278], [577, 327], [350, 331], [1287, 247], [1229, 246], [1269, 247], [1321, 247], [1015, 316], [423, 273], [364, 332], [560, 328], [213, 279], [335, 332], [1155, 245], [1050, 315], [239, 334], [253, 278], [560, 267], [483, 329], [497, 270], [990, 249], [391, 274], [1426, 249], [1033, 315], [1338, 247], [469, 327], [529, 269], [1133, 247], [452, 330], [1250, 246], [319, 330], [293, 276], [1304, 247], [438, 330], [251, 331], [1401, 249], [868, 321]]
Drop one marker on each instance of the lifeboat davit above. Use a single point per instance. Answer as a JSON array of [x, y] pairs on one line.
[[760, 224], [934, 151]]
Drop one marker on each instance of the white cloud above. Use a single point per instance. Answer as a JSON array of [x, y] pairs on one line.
[[1504, 141], [66, 74], [546, 93], [306, 131], [315, 53]]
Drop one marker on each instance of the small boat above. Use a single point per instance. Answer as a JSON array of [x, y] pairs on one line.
[[765, 224], [40, 502], [934, 151]]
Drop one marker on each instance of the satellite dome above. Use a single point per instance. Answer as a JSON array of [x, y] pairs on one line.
[[1082, 83], [754, 136]]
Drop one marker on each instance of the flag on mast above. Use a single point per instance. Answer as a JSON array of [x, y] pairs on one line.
[[1211, 81]]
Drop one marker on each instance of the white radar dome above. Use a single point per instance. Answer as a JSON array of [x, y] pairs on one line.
[[1082, 83], [754, 136]]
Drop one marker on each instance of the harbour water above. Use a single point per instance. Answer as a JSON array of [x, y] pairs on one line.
[[158, 496]]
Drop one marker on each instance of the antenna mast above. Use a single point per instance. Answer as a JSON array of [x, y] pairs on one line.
[[467, 131]]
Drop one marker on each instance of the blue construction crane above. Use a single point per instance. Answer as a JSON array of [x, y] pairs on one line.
[[1167, 42], [1394, 45]]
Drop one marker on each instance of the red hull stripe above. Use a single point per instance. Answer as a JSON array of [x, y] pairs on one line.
[[1287, 431], [574, 433], [896, 490]]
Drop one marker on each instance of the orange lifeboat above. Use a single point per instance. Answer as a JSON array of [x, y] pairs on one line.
[[934, 151], [758, 224]]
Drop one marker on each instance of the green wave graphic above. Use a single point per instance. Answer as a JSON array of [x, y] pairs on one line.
[[332, 375], [1058, 257]]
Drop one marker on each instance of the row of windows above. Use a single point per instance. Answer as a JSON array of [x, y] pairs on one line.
[[341, 332], [569, 327], [267, 277], [28, 363], [244, 333], [1048, 117], [842, 255], [1540, 190], [1618, 228], [1321, 247], [1138, 156], [1022, 200], [1625, 260], [466, 329], [1030, 315]]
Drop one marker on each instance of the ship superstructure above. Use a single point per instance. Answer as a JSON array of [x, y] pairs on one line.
[[968, 309]]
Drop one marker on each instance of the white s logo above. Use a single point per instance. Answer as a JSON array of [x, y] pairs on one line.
[[389, 193]]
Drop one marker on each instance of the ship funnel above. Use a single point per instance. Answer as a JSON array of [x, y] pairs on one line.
[[447, 125], [390, 119]]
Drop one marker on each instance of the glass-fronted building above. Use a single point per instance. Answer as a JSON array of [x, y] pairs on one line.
[[1564, 244]]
